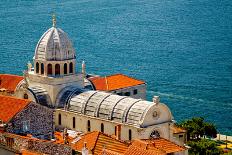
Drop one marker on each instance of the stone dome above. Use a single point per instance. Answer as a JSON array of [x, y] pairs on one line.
[[54, 45]]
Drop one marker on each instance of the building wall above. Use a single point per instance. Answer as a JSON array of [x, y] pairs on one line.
[[141, 91], [18, 143], [39, 120], [109, 126]]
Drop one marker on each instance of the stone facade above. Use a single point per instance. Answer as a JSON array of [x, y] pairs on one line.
[[128, 132], [34, 119], [138, 92]]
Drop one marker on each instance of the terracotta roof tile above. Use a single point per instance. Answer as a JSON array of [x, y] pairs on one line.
[[163, 145], [114, 82], [134, 150], [96, 141], [9, 82], [10, 106], [109, 152], [177, 130]]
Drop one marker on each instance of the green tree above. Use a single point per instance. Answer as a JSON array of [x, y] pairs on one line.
[[197, 128], [204, 147]]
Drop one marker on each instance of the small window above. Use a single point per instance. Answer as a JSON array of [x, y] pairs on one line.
[[135, 92], [88, 126], [37, 67], [71, 67], [25, 96], [65, 69], [102, 127], [115, 130], [130, 134], [59, 119], [180, 136], [127, 93], [57, 69], [119, 94], [49, 72], [42, 68], [26, 125], [74, 122]]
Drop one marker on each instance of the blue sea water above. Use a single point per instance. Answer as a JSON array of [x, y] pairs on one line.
[[182, 49]]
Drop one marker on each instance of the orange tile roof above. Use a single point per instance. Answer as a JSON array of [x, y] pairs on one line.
[[163, 145], [114, 82], [10, 106], [29, 152], [109, 152], [133, 150], [9, 82], [96, 141], [177, 130]]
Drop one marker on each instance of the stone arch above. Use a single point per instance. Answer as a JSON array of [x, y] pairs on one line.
[[57, 69], [42, 68], [71, 67], [37, 67], [49, 72], [65, 68]]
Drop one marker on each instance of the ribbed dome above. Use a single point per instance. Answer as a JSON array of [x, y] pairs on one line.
[[54, 45]]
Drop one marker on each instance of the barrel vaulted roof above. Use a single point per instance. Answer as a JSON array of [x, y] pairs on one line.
[[117, 108]]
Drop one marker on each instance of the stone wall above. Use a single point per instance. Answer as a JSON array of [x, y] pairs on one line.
[[41, 146], [109, 126], [39, 118]]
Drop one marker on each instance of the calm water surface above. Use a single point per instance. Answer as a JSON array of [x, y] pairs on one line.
[[182, 49]]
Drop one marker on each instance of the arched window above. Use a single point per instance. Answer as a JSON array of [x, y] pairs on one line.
[[155, 134], [42, 68], [37, 67], [71, 67], [130, 134], [59, 119], [102, 127], [88, 126], [65, 69], [25, 96], [115, 130], [74, 122], [49, 69], [57, 69]]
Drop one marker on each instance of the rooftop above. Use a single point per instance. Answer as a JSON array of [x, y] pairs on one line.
[[10, 106], [159, 143], [9, 82], [114, 82], [177, 129], [96, 141]]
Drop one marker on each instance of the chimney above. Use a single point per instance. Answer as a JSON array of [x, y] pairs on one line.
[[118, 132], [156, 99], [84, 150], [65, 136]]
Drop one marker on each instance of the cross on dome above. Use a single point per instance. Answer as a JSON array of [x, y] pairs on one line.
[[54, 20]]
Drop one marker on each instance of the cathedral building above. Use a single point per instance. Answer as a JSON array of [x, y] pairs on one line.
[[54, 82]]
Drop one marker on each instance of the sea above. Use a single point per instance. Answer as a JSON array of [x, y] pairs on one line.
[[181, 48]]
